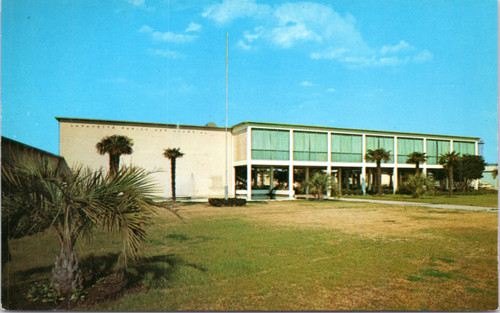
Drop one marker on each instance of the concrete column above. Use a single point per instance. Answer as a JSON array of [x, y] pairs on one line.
[[249, 163], [249, 181], [290, 181], [424, 165], [395, 180], [363, 179], [329, 149], [476, 152], [233, 185], [328, 172], [395, 152]]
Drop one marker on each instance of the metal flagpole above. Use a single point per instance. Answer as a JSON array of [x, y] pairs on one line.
[[226, 190]]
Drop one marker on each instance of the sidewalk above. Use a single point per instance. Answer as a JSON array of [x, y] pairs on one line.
[[429, 205]]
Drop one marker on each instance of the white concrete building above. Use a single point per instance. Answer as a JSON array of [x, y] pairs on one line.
[[260, 155]]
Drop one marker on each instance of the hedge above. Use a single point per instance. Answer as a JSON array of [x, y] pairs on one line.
[[219, 202]]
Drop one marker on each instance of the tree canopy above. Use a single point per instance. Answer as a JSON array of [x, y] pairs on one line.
[[469, 168], [36, 195], [417, 158], [115, 146]]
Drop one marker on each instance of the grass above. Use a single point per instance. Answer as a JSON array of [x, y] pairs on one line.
[[291, 256], [485, 200]]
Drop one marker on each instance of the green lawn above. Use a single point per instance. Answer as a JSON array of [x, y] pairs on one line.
[[293, 255], [486, 200]]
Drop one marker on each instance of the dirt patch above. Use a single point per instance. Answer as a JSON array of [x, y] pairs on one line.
[[107, 288]]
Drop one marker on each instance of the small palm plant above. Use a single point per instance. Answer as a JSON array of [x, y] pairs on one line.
[[115, 146], [450, 160], [377, 156], [319, 184], [37, 195], [418, 184], [173, 154], [417, 158]]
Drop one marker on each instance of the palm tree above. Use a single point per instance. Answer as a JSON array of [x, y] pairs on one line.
[[417, 158], [115, 146], [172, 154], [449, 160], [378, 155], [319, 184], [72, 203], [418, 184]]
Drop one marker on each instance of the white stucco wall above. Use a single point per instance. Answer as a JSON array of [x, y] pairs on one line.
[[199, 173]]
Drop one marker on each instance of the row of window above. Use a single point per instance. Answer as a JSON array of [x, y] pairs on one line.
[[310, 146]]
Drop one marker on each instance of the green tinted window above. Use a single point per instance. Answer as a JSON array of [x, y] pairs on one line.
[[347, 148], [375, 142], [435, 148], [308, 146], [406, 146], [270, 144], [464, 147]]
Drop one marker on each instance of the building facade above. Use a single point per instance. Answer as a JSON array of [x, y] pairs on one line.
[[489, 179], [263, 159], [15, 151], [200, 173]]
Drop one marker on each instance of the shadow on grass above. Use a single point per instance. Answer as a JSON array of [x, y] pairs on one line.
[[104, 280]]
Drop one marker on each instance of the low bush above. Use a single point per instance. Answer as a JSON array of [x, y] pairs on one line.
[[219, 202], [416, 185]]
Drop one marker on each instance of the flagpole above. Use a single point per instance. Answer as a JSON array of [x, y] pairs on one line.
[[226, 189]]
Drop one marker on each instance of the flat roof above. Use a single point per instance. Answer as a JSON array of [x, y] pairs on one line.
[[131, 123], [9, 141], [352, 130], [263, 124]]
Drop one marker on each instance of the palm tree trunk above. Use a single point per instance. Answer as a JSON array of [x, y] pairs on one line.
[[417, 167], [66, 276], [114, 163], [172, 177], [379, 179], [450, 180]]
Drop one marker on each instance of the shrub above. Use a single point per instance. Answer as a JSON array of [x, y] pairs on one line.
[[219, 202], [334, 191], [46, 293], [319, 184], [416, 185]]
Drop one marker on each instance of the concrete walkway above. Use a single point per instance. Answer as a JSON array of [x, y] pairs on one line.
[[428, 205]]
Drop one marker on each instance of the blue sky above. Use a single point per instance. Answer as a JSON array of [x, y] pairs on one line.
[[399, 65]]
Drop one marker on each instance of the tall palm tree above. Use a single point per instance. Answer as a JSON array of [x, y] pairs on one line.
[[417, 158], [378, 155], [115, 146], [72, 203], [172, 154], [450, 161]]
